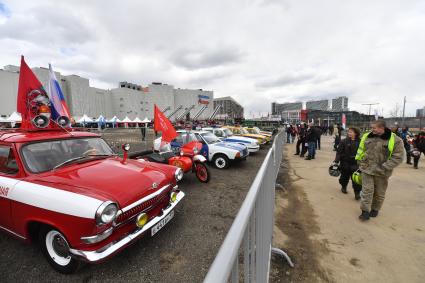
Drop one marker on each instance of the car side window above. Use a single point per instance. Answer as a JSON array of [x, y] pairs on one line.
[[218, 133], [198, 137], [8, 164], [178, 139]]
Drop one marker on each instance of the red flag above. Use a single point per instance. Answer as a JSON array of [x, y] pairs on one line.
[[27, 82], [162, 124]]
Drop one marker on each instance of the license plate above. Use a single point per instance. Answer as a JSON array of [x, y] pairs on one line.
[[162, 223]]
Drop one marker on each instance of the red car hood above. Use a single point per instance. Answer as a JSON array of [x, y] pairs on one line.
[[109, 179]]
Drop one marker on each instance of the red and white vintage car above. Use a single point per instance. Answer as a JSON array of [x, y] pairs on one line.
[[68, 191]]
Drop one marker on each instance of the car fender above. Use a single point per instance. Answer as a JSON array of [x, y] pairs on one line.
[[228, 152], [199, 158]]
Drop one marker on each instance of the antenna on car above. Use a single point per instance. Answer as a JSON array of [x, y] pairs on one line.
[[62, 127]]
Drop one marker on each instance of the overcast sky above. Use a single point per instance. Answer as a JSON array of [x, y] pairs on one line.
[[256, 51]]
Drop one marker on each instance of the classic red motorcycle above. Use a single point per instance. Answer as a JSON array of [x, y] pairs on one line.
[[188, 160]]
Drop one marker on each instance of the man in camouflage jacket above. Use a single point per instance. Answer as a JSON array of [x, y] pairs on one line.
[[379, 154]]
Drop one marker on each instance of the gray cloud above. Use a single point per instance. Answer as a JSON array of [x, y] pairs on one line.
[[204, 58], [289, 79], [258, 51]]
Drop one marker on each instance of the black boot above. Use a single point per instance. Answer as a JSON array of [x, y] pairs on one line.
[[357, 195], [307, 158], [296, 154], [373, 213], [364, 216], [344, 190]]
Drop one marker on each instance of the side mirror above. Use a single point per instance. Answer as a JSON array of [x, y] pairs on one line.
[[125, 148]]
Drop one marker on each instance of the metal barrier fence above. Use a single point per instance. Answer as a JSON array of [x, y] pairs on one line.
[[252, 229]]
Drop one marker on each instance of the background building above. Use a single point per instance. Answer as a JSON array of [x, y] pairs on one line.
[[420, 112], [317, 105], [340, 103], [278, 108], [127, 100], [228, 108]]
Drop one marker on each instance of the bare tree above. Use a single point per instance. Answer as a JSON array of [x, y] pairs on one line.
[[396, 111]]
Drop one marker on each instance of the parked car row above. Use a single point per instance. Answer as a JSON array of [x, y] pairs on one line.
[[69, 192], [220, 146]]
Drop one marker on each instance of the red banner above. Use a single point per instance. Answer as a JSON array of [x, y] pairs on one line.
[[162, 124], [28, 83]]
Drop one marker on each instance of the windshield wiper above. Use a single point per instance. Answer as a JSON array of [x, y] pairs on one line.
[[69, 161], [81, 157], [112, 154]]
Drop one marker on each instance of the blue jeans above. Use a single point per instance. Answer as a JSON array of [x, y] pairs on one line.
[[311, 149]]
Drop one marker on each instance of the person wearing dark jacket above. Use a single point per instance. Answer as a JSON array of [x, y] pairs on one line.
[[418, 148], [346, 157], [405, 135], [318, 133], [301, 140], [311, 140]]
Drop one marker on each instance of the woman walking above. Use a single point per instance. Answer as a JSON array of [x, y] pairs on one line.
[[345, 156]]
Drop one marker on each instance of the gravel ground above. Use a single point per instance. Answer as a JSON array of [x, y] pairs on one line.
[[181, 252]]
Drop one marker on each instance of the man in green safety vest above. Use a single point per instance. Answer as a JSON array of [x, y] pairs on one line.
[[380, 151]]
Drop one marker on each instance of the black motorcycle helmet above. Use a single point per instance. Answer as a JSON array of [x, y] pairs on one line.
[[334, 170]]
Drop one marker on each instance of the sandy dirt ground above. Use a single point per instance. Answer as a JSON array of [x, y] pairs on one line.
[[319, 228]]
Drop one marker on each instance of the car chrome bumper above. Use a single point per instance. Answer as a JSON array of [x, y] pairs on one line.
[[254, 148], [110, 249]]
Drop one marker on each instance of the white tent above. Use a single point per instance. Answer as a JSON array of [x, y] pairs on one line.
[[126, 120], [146, 120], [14, 117], [114, 120], [137, 120], [100, 119], [85, 119]]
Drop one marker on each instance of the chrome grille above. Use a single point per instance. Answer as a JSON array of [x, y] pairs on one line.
[[143, 206]]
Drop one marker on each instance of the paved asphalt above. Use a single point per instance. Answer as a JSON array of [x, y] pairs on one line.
[[181, 252]]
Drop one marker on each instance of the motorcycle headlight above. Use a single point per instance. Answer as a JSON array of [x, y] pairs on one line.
[[178, 174], [106, 213], [195, 150]]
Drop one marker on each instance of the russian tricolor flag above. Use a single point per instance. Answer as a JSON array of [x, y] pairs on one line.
[[59, 107]]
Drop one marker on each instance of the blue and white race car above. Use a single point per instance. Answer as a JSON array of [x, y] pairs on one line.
[[220, 153], [226, 135]]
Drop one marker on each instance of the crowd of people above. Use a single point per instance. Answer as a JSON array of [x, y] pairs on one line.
[[367, 160]]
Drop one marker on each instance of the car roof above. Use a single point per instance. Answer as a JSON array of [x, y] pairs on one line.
[[19, 136], [201, 132]]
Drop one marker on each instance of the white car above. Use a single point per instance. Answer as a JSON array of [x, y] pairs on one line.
[[226, 135], [218, 152]]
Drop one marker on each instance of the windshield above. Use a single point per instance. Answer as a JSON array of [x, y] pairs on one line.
[[243, 131], [228, 132], [255, 131], [185, 137], [210, 138], [48, 155]]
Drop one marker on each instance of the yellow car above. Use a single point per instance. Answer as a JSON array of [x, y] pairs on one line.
[[257, 131], [238, 131]]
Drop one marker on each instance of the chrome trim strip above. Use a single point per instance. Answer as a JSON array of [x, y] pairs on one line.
[[102, 253], [142, 200], [13, 233], [99, 237]]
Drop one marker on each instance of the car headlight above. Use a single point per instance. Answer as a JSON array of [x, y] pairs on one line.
[[195, 150], [106, 213], [178, 174]]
